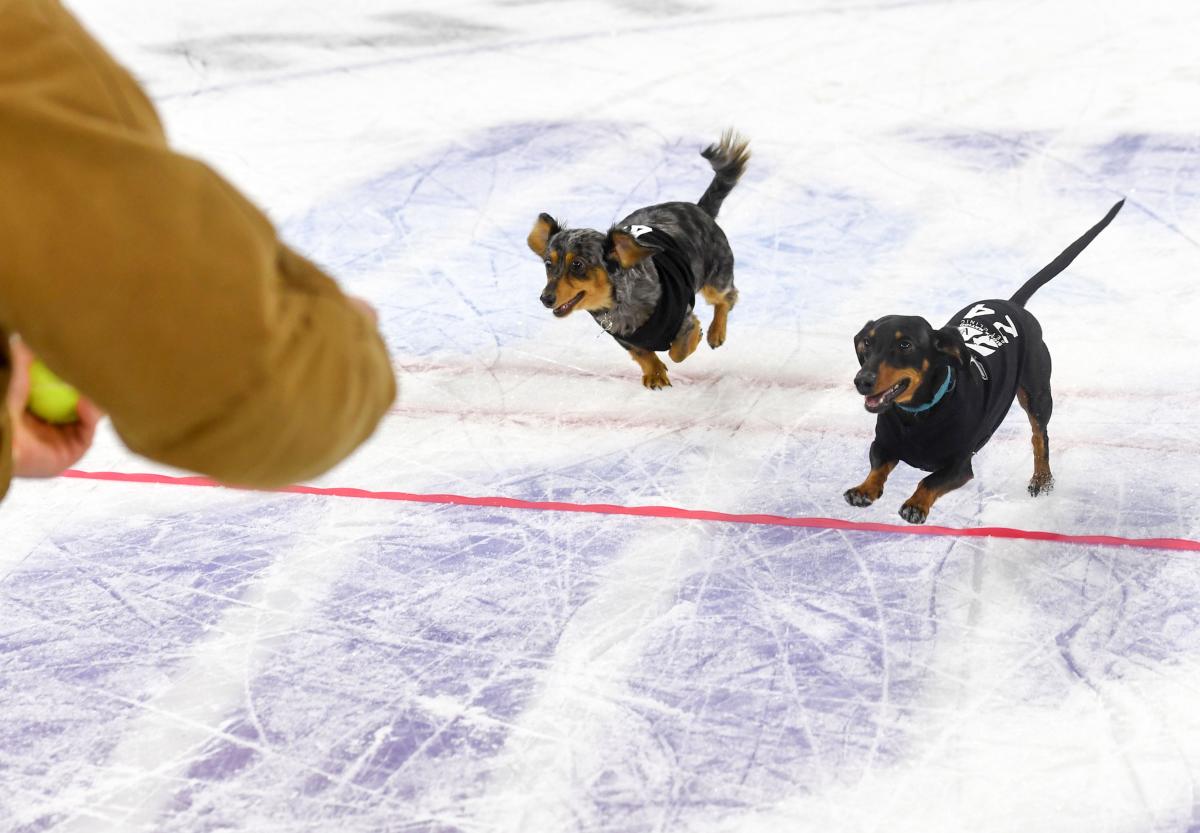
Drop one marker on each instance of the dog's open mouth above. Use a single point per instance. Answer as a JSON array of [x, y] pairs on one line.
[[876, 402], [563, 309]]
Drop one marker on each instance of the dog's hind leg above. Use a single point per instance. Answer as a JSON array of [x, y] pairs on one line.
[[722, 300], [686, 340], [1038, 405], [1033, 392]]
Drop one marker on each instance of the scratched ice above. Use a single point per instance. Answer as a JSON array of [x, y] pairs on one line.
[[186, 659]]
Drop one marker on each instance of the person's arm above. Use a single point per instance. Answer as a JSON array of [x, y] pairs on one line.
[[149, 283]]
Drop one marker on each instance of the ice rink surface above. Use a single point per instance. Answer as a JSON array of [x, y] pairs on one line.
[[189, 659]]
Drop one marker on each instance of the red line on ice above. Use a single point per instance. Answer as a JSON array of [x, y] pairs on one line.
[[673, 512]]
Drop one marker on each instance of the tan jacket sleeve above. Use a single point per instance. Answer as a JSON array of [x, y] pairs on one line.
[[6, 458], [147, 281]]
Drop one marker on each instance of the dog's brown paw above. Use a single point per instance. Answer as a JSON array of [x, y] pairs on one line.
[[1041, 484], [913, 513], [686, 345], [654, 372], [859, 497], [716, 334], [722, 303], [656, 379]]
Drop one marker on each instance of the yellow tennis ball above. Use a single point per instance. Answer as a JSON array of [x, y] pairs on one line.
[[50, 398]]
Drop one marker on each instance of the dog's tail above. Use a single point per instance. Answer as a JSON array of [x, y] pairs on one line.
[[728, 158], [1063, 260]]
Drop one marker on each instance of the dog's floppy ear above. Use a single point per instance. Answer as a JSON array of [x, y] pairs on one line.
[[858, 336], [625, 249], [949, 340], [544, 228]]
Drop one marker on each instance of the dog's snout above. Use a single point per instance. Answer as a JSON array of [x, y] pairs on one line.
[[865, 381], [548, 298]]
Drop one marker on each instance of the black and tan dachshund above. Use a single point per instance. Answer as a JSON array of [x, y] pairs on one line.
[[940, 394], [639, 281]]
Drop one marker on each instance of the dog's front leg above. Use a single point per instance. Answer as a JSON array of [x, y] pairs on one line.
[[686, 340], [871, 489], [654, 372], [946, 479]]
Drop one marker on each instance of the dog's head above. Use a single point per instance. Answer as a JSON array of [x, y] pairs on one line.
[[580, 263], [898, 354]]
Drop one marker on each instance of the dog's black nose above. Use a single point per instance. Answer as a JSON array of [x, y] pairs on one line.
[[547, 299], [865, 381]]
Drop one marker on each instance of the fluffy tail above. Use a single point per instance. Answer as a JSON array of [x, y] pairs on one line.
[[1063, 260], [728, 158]]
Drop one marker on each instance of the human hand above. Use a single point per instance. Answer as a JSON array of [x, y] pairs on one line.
[[40, 449]]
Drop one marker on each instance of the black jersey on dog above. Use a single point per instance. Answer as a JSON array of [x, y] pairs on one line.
[[678, 292], [982, 389]]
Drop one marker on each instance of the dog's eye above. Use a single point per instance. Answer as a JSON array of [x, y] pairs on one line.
[[577, 267], [905, 345], [866, 343], [548, 263]]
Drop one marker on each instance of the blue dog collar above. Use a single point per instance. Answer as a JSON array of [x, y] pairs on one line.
[[946, 387]]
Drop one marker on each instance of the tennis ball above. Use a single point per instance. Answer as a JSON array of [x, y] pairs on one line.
[[50, 398]]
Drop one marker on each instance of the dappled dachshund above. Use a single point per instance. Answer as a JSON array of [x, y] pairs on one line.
[[940, 394], [639, 281]]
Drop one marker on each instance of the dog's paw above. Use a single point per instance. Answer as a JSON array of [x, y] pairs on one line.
[[1041, 484], [716, 336], [913, 514], [656, 380], [683, 347], [857, 497]]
